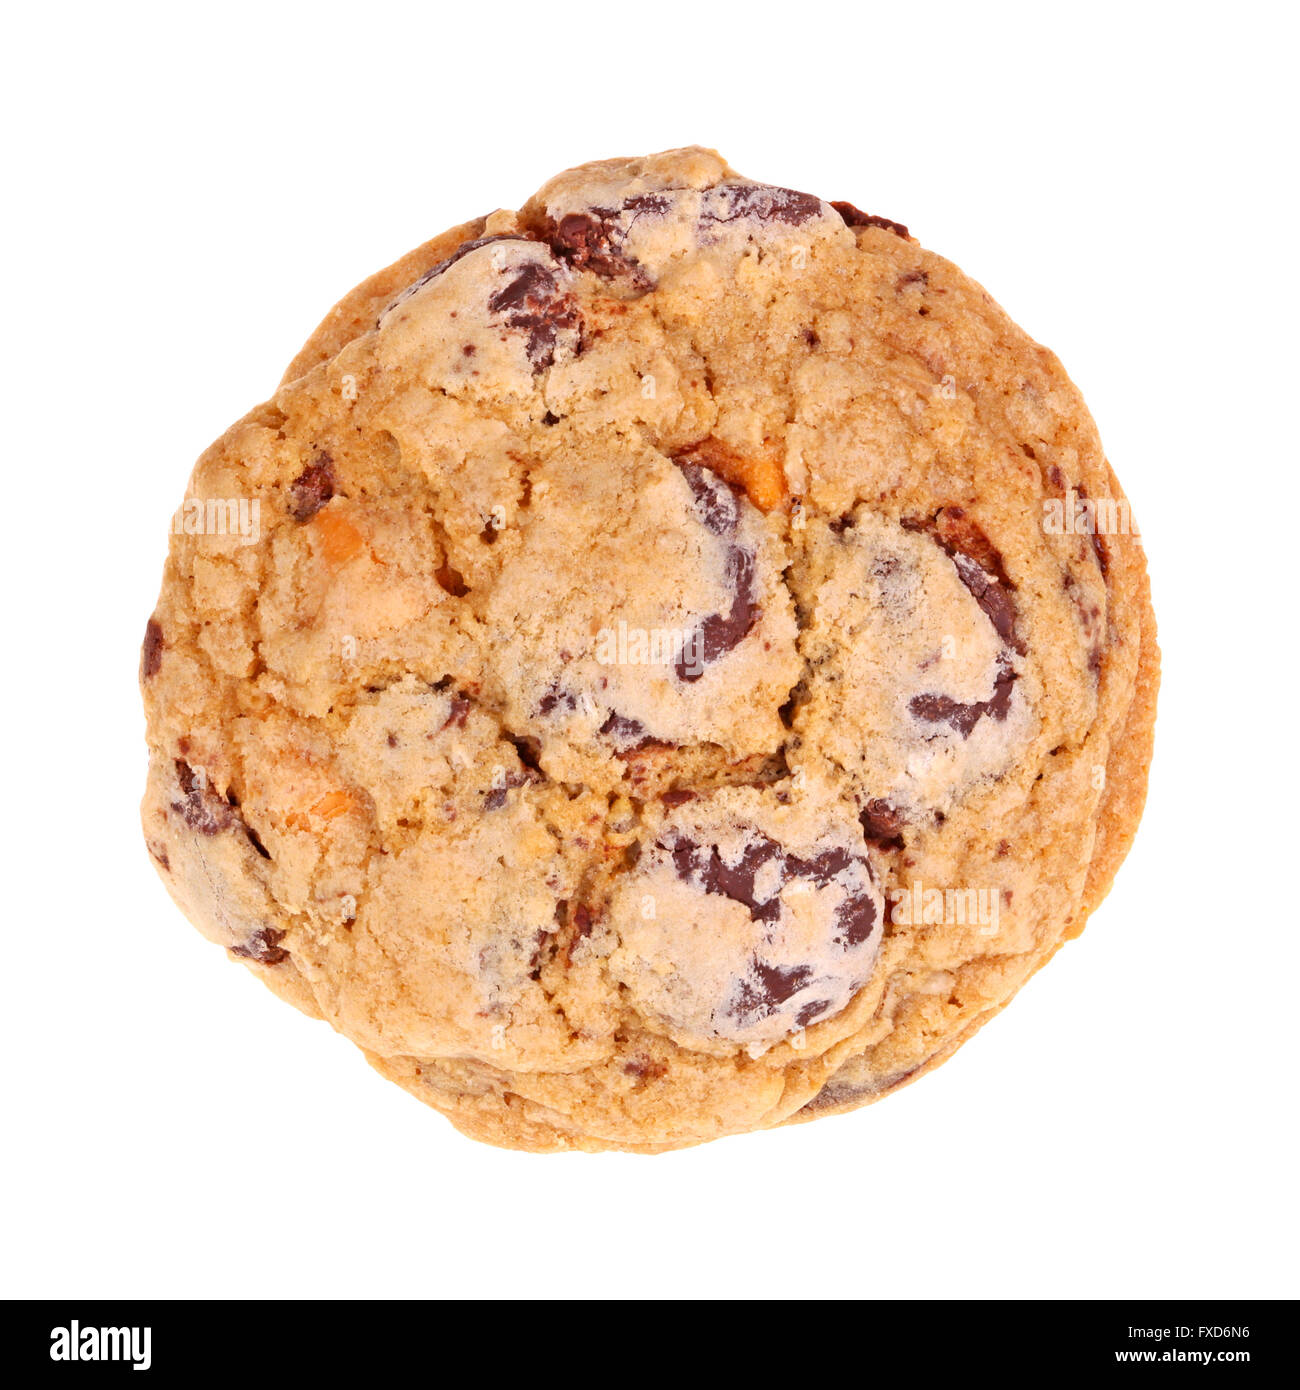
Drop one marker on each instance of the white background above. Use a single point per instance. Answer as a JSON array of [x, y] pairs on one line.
[[191, 187]]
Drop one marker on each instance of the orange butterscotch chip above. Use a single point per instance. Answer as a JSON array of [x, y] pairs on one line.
[[339, 539], [760, 475], [333, 804]]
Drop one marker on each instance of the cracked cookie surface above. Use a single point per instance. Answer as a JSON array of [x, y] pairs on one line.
[[627, 678]]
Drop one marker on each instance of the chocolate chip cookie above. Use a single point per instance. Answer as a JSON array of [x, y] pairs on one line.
[[669, 661]]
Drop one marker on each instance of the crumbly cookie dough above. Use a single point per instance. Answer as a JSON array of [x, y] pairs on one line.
[[666, 662]]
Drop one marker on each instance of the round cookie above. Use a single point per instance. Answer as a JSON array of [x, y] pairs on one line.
[[667, 662]]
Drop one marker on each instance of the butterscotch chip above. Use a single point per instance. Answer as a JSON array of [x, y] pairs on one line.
[[667, 662], [757, 474]]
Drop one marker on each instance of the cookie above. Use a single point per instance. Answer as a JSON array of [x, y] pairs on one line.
[[666, 662]]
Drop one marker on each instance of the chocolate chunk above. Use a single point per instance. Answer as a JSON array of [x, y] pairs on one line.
[[202, 809], [715, 503], [530, 754], [534, 304], [263, 946], [624, 731], [882, 824], [1098, 543], [719, 513], [979, 566], [855, 217], [532, 284], [555, 698], [458, 713], [678, 796], [856, 916], [450, 580], [765, 986], [647, 202], [704, 864], [207, 812], [583, 920], [151, 650], [856, 920], [830, 1096], [593, 241], [720, 633], [840, 1093], [462, 250], [761, 202], [821, 869], [995, 602], [810, 1012], [770, 987], [312, 488], [734, 881], [495, 799], [940, 709], [571, 927]]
